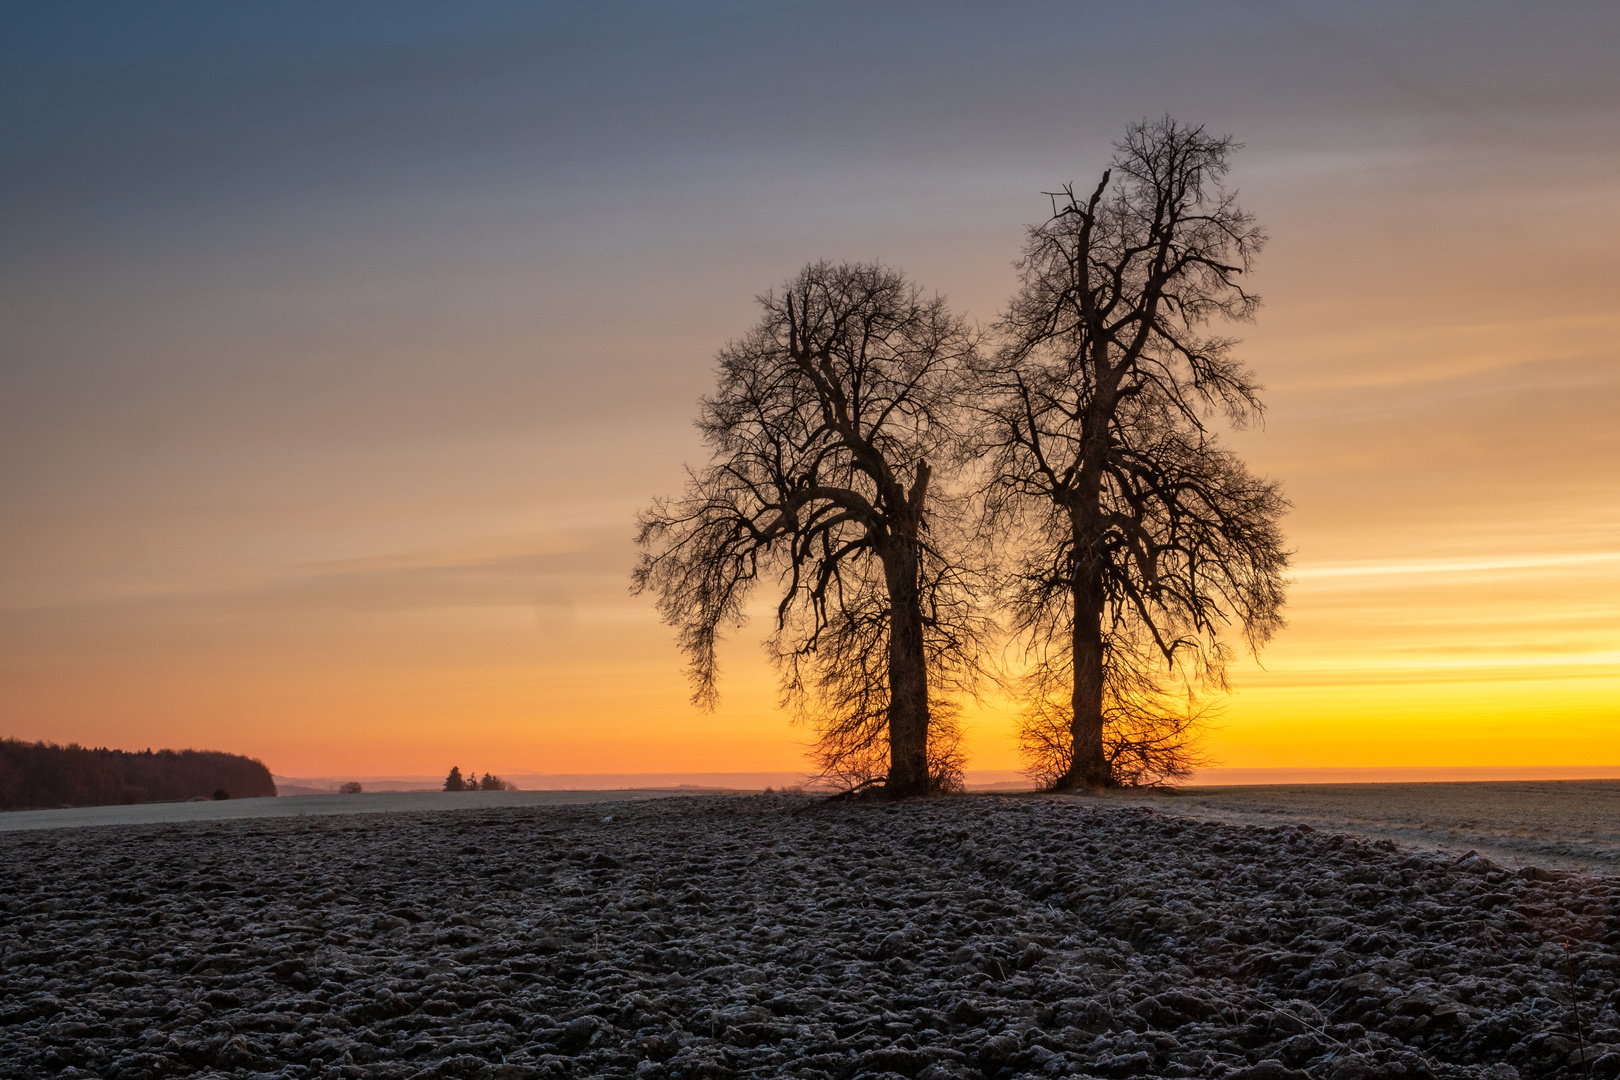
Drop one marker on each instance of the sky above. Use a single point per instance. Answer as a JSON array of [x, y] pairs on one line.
[[340, 345]]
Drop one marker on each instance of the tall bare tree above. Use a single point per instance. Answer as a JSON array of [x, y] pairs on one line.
[[822, 430], [1134, 535]]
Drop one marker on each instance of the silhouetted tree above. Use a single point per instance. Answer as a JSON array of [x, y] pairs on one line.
[[1135, 541], [824, 431], [350, 787], [454, 782], [491, 782]]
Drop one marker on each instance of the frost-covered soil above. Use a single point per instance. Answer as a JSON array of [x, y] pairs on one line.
[[1571, 824], [782, 936]]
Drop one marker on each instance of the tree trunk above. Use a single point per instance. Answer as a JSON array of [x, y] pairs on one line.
[[1088, 766], [908, 676]]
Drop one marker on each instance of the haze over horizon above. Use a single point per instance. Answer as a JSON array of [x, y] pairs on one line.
[[339, 347]]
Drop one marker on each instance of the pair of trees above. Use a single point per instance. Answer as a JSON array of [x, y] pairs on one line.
[[902, 478]]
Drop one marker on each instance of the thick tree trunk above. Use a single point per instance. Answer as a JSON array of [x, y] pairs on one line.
[[1088, 767], [908, 677]]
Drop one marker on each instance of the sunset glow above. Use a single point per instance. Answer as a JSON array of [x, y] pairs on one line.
[[336, 361]]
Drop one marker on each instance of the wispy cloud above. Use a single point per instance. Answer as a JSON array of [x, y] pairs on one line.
[[1444, 567]]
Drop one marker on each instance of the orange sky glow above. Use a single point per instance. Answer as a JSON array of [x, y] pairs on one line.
[[322, 442]]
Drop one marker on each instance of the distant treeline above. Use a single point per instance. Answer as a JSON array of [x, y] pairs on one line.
[[41, 775]]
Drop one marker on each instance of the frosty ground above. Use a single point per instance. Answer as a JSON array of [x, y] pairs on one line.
[[781, 935], [1574, 824]]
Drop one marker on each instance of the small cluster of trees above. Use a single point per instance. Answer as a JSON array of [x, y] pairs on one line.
[[37, 775], [471, 782], [1042, 501]]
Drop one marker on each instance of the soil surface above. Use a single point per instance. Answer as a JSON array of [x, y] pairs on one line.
[[1564, 823], [969, 937]]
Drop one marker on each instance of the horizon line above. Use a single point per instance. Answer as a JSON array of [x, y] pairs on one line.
[[1233, 776]]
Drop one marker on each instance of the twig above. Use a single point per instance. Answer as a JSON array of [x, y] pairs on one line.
[[859, 789], [1292, 1015], [1575, 1002]]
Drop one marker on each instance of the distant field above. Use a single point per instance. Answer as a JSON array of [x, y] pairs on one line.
[[1567, 823], [977, 780], [1561, 823], [308, 806]]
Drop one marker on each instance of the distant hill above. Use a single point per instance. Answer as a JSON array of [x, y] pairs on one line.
[[43, 775]]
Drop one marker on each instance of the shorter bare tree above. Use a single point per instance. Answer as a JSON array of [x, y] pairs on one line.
[[824, 431]]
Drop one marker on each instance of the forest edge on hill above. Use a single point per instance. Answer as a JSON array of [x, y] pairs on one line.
[[44, 775]]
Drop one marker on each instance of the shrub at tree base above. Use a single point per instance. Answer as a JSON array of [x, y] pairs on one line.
[[41, 775]]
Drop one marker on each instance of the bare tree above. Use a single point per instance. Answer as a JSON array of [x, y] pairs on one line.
[[1135, 542], [822, 431]]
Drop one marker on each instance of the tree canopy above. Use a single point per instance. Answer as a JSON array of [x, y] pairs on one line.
[[875, 467], [1138, 541], [825, 431]]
